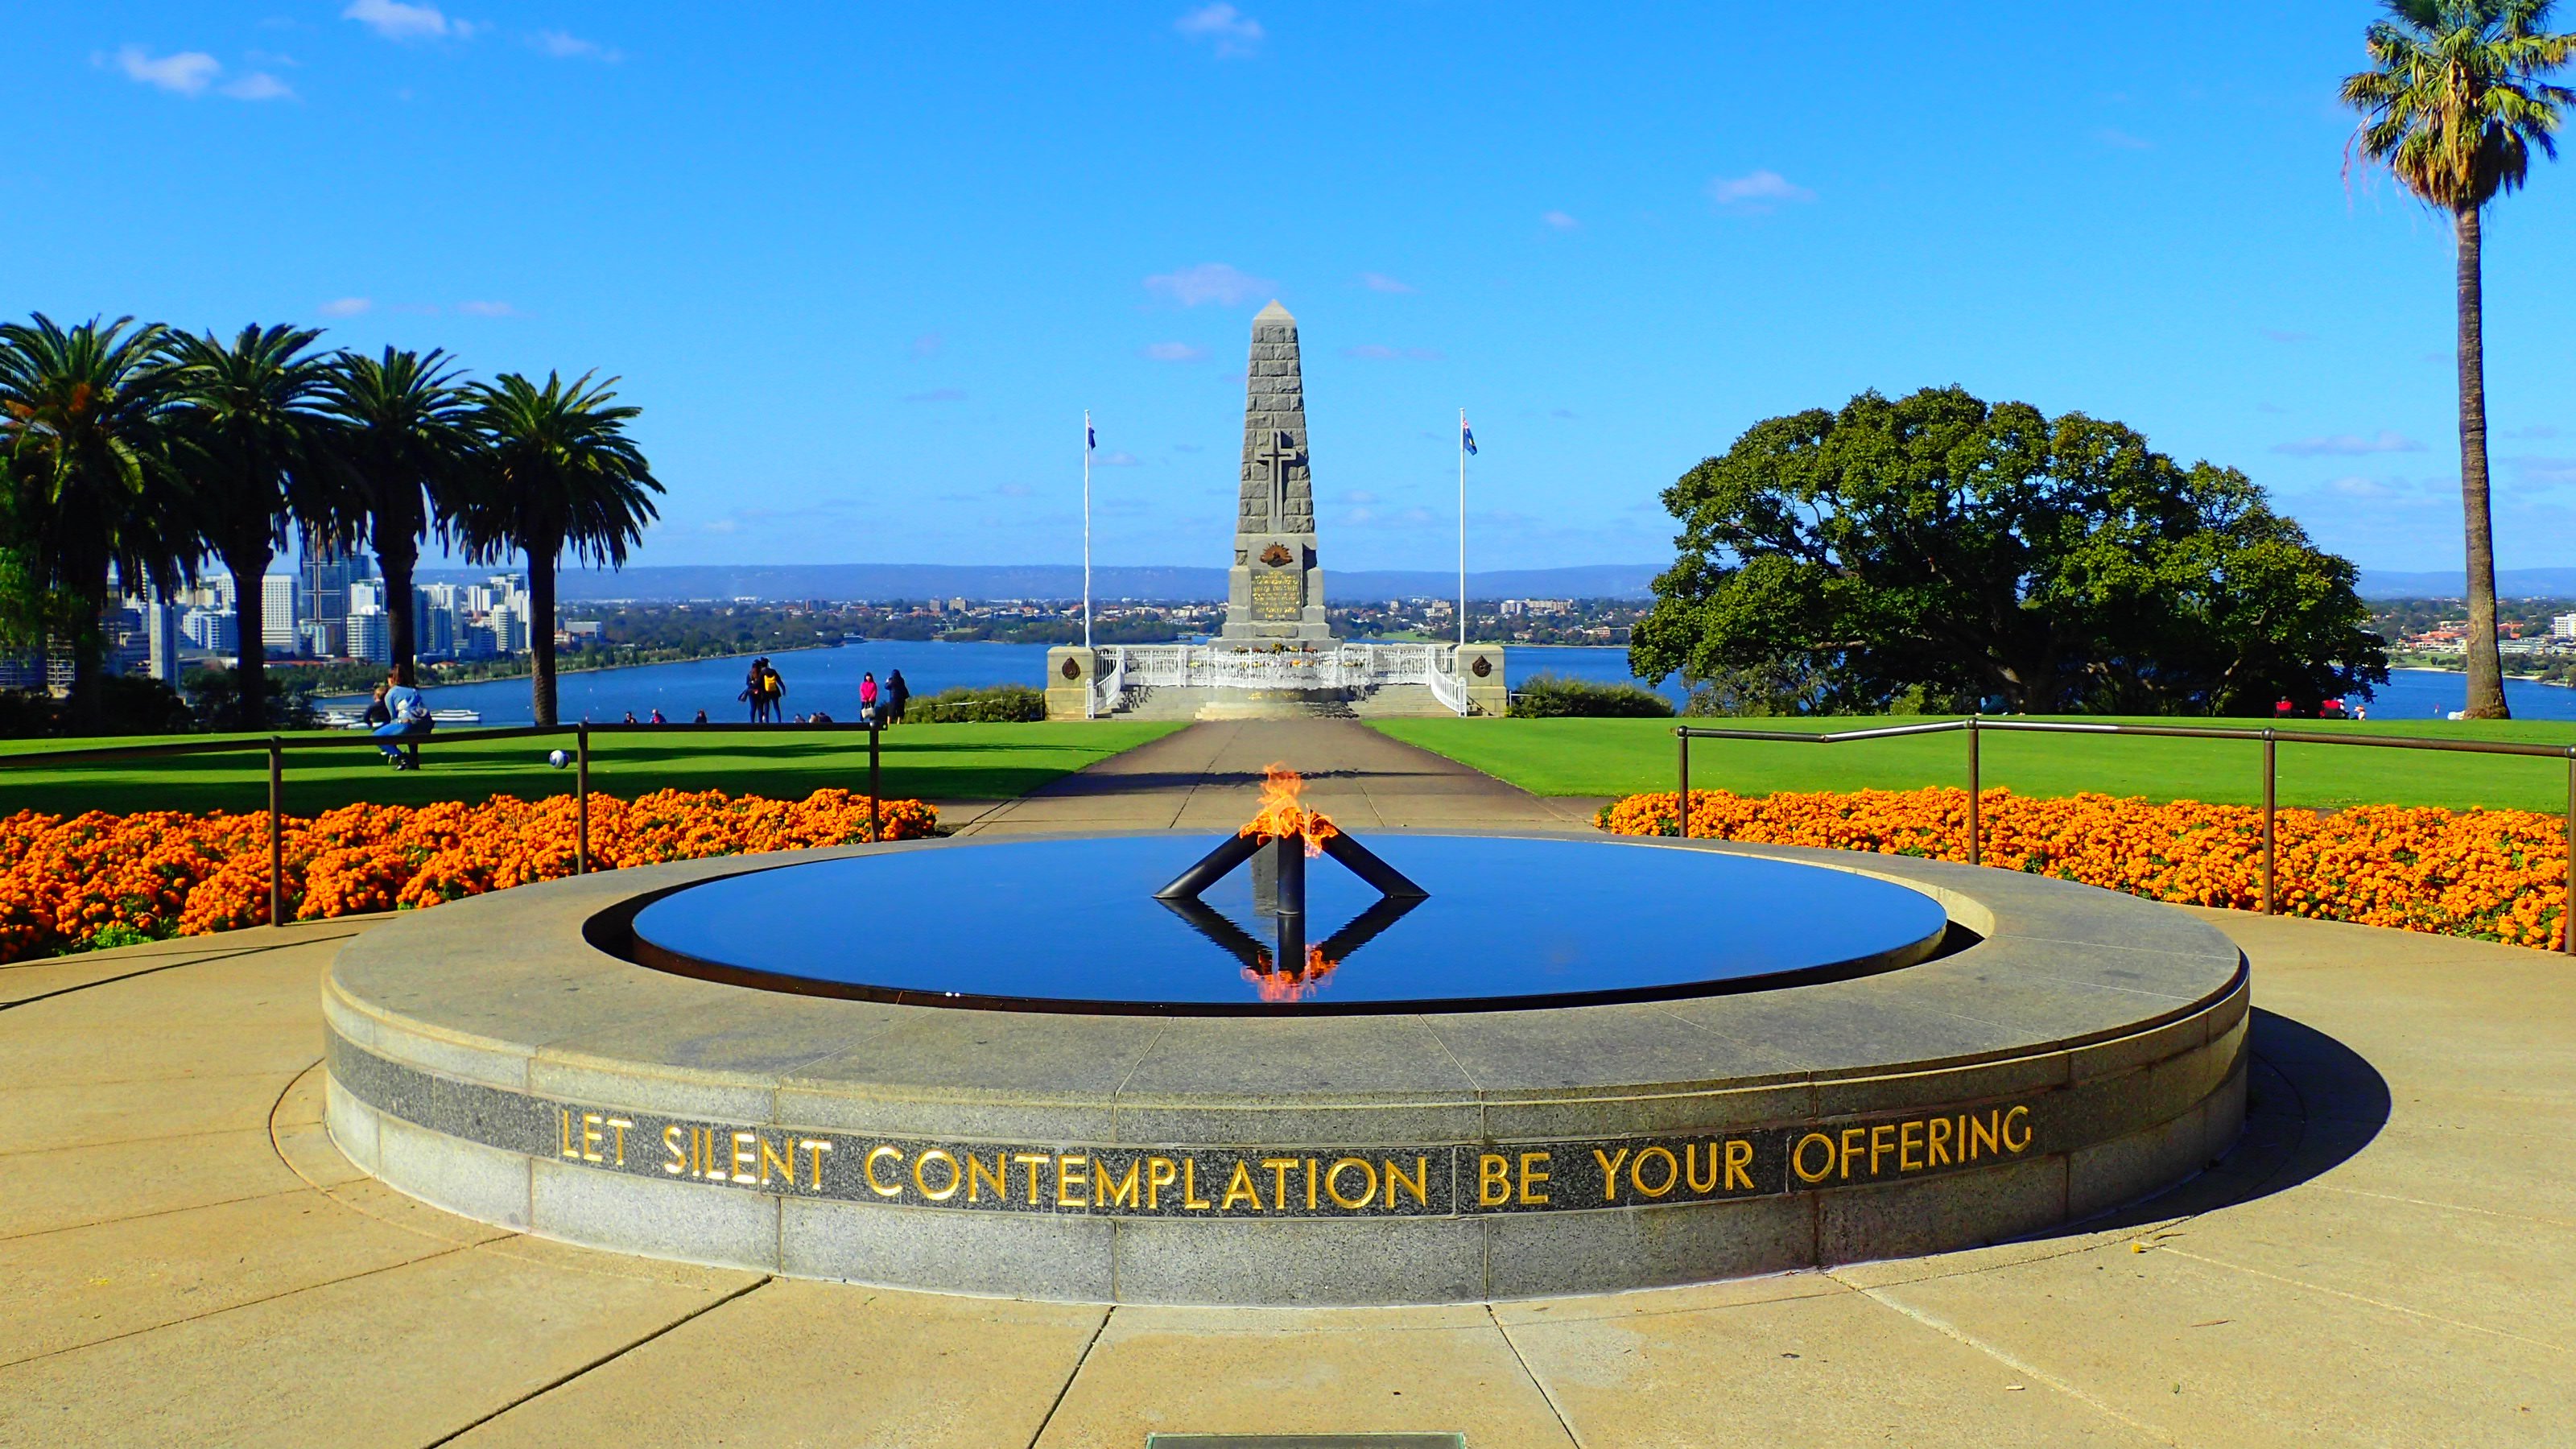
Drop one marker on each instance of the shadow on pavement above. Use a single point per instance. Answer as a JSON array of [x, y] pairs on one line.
[[2311, 1103]]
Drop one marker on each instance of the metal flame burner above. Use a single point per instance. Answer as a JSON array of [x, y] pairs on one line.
[[1089, 925]]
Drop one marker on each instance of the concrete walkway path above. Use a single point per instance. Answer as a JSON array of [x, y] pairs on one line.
[[2384, 1260], [1208, 777]]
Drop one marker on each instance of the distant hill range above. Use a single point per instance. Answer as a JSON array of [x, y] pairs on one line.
[[2510, 584], [671, 582]]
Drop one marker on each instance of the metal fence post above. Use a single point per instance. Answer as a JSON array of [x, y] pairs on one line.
[[276, 831], [2271, 902], [1682, 798], [874, 833], [581, 798], [1974, 854], [2567, 912]]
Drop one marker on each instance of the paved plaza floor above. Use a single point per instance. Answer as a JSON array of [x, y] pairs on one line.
[[2387, 1258]]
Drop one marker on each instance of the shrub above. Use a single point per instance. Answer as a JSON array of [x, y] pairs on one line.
[[2493, 875], [1550, 696], [998, 704], [97, 880]]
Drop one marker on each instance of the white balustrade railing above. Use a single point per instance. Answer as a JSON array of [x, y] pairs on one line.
[[1446, 688], [1110, 688], [1223, 666]]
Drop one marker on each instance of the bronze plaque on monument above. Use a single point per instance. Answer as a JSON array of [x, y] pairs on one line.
[[1278, 595]]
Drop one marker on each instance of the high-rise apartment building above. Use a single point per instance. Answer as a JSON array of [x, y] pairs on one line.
[[371, 634], [278, 614]]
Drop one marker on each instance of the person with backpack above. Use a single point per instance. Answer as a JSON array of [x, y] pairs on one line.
[[896, 692], [772, 688], [407, 714]]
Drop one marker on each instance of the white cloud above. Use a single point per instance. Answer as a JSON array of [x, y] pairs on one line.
[[1232, 32], [489, 309], [2348, 445], [1758, 191], [345, 306], [2362, 488], [2110, 136], [191, 73], [1174, 352], [187, 73], [1381, 282], [1116, 460], [1208, 282], [395, 20], [1377, 352], [1560, 220], [259, 85], [563, 45], [2544, 472]]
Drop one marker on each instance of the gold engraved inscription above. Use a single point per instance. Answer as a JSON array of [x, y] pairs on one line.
[[1278, 595]]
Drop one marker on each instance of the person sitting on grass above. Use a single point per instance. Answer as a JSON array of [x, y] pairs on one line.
[[407, 711]]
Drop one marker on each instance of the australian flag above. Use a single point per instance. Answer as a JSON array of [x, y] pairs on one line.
[[1466, 437], [1090, 436]]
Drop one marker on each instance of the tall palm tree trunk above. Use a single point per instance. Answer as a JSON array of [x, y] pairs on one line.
[[248, 562], [541, 633], [2486, 665], [88, 647], [397, 560]]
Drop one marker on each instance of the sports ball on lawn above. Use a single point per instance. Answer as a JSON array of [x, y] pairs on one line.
[[558, 759]]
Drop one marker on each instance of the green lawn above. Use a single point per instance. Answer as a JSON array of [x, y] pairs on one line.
[[1629, 756], [924, 761]]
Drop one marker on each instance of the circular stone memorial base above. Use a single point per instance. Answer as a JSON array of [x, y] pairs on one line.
[[503, 1058]]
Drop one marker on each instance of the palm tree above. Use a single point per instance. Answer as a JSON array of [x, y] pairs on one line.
[[401, 449], [2453, 106], [82, 430], [256, 451], [554, 471]]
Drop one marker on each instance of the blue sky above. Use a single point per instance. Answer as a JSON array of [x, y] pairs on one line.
[[864, 267]]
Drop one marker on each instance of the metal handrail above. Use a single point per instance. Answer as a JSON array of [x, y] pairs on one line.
[[276, 747], [2271, 738]]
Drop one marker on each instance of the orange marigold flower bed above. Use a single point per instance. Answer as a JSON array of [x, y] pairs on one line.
[[2495, 875], [65, 881]]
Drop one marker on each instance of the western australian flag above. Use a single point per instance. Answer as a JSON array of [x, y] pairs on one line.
[[1466, 437]]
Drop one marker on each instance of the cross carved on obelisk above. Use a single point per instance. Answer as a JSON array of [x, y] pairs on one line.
[[1276, 455]]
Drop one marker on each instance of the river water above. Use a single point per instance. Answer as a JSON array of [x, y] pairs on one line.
[[828, 679]]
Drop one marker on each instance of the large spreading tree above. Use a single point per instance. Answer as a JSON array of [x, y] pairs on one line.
[[1949, 551], [2453, 105]]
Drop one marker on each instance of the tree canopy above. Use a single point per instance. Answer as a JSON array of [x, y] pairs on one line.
[[1942, 550]]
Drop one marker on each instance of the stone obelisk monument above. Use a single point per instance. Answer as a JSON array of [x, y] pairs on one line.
[[1275, 593]]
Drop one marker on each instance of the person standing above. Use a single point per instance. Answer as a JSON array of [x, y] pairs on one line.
[[754, 691], [774, 689], [868, 699], [896, 692]]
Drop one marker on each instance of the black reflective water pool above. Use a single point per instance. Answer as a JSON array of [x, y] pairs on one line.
[[1073, 925]]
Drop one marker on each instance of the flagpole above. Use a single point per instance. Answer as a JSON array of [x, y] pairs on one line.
[[1462, 528], [1086, 528]]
